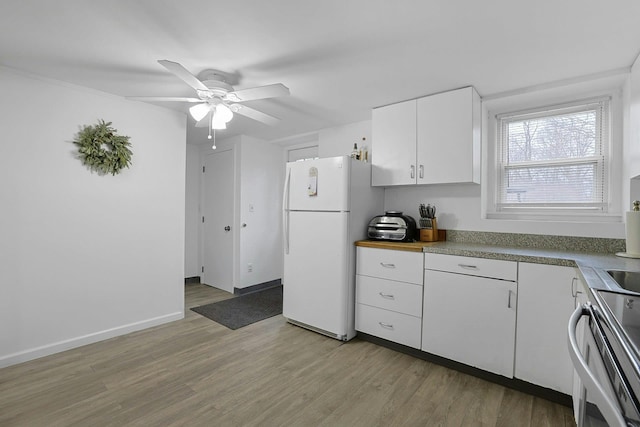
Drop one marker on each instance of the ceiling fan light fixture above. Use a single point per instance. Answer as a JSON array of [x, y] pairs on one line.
[[199, 111], [217, 123], [223, 113]]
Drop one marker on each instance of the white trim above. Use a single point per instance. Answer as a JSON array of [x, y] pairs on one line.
[[557, 217], [57, 347]]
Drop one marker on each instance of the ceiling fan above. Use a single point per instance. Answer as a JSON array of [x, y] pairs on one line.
[[217, 101]]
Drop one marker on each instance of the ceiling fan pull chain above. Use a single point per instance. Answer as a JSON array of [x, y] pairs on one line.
[[214, 131]]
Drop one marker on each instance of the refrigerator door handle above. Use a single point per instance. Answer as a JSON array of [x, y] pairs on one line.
[[285, 212]]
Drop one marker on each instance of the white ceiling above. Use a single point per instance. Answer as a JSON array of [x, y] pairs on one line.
[[340, 58]]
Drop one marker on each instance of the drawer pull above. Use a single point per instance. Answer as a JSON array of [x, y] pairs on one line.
[[386, 325], [468, 266], [387, 296], [387, 265]]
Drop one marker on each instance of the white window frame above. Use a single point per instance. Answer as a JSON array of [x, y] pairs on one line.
[[601, 106], [495, 108]]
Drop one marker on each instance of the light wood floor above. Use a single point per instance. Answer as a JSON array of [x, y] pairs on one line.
[[196, 372]]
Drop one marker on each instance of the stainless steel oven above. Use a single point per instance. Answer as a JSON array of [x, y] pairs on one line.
[[607, 360]]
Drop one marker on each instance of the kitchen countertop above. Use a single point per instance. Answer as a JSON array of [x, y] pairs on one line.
[[592, 266]]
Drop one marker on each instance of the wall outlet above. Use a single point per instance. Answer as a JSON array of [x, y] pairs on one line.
[[249, 267]]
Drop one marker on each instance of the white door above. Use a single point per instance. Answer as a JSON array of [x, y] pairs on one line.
[[217, 211], [316, 283], [318, 185]]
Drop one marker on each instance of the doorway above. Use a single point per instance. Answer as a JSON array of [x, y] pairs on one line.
[[217, 224]]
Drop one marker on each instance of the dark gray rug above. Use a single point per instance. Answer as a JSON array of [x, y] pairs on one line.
[[234, 313]]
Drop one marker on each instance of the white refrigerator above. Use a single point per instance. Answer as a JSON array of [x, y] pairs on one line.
[[327, 205]]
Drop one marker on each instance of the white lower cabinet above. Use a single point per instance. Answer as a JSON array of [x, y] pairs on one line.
[[505, 317], [389, 295], [546, 299], [467, 318]]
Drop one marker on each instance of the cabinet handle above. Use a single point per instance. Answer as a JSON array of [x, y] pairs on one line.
[[509, 298], [468, 266], [421, 173], [388, 265], [387, 296], [413, 171], [386, 325]]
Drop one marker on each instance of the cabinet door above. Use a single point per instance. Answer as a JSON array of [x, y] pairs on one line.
[[470, 320], [545, 303], [448, 137], [393, 149]]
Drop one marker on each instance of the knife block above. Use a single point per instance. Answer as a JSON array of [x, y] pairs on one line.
[[430, 234]]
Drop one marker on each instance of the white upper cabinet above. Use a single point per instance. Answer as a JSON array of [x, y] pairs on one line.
[[449, 137], [393, 147], [431, 140]]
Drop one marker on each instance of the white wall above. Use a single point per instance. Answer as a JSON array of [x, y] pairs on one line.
[[192, 262], [339, 141], [85, 257], [261, 178]]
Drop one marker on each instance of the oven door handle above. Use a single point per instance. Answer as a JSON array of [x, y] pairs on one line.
[[610, 409]]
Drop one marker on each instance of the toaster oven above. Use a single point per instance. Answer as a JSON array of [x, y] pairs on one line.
[[393, 226]]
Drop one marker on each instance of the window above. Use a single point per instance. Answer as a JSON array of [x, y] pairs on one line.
[[554, 159]]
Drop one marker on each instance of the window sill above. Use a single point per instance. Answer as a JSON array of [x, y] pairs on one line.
[[557, 217]]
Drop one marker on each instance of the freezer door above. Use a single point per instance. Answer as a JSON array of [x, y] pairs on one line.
[[316, 283], [318, 185]]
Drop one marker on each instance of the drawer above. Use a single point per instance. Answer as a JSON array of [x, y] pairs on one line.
[[389, 264], [400, 328], [400, 297], [492, 268]]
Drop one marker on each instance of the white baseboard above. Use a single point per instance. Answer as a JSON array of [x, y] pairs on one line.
[[46, 350]]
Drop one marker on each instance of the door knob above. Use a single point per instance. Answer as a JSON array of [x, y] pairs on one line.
[[227, 228]]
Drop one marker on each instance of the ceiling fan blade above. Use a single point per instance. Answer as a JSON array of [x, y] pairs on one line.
[[183, 74], [260, 92], [254, 114], [163, 99]]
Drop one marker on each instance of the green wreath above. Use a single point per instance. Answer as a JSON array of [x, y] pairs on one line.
[[102, 150]]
